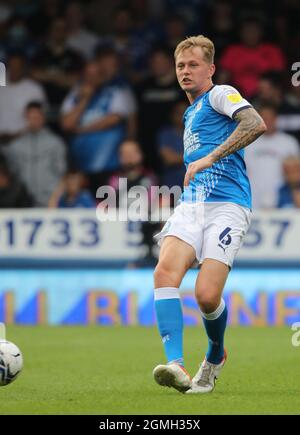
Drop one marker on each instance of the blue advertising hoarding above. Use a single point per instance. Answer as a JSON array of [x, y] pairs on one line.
[[255, 297]]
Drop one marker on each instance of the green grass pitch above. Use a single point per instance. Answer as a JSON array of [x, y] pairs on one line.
[[108, 370]]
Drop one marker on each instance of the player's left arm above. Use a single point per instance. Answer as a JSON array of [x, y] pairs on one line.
[[250, 127]]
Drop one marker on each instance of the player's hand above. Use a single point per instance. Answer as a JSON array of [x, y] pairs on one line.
[[197, 166]]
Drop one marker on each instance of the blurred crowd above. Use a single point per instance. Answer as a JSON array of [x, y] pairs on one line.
[[91, 94]]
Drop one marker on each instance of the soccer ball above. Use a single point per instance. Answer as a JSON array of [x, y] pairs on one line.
[[11, 362]]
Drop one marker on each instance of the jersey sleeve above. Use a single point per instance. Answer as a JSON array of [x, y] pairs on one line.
[[227, 100]]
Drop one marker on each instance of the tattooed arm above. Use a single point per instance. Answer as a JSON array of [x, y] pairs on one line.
[[250, 127]]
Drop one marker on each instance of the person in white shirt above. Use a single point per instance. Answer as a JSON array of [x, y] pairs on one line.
[[38, 156], [79, 38], [264, 160], [15, 96], [98, 113]]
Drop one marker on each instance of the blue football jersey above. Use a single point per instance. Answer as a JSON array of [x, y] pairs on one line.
[[97, 151], [208, 123]]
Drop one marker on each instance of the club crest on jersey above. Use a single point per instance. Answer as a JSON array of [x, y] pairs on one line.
[[199, 106]]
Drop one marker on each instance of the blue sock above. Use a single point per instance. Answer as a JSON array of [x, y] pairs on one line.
[[215, 325], [170, 322]]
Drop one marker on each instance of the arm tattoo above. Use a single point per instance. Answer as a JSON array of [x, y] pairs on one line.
[[250, 127]]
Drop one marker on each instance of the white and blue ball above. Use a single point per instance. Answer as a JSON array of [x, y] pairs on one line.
[[11, 362]]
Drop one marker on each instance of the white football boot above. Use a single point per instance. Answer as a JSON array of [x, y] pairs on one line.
[[205, 379], [173, 375]]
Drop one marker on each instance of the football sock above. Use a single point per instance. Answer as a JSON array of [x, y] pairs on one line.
[[170, 322], [215, 325]]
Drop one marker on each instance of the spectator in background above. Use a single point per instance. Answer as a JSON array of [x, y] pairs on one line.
[[15, 96], [47, 11], [56, 66], [5, 14], [175, 30], [264, 160], [289, 116], [245, 62], [13, 194], [79, 37], [289, 193], [192, 11], [100, 16], [97, 113], [287, 27], [18, 38], [37, 157], [170, 142], [145, 26], [156, 97], [112, 71], [132, 168], [220, 25], [269, 90], [131, 48], [70, 192]]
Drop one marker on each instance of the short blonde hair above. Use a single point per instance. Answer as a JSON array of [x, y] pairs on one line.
[[201, 41]]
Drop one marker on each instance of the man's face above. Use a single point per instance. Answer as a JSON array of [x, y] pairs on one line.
[[251, 34], [265, 89], [73, 183], [74, 15], [109, 66], [15, 69], [193, 73], [58, 31], [130, 155], [161, 64], [122, 22], [35, 119], [92, 74], [291, 168]]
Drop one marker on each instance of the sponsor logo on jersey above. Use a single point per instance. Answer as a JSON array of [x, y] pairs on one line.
[[191, 141], [234, 98]]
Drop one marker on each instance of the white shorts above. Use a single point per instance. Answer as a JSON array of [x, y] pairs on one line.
[[214, 229]]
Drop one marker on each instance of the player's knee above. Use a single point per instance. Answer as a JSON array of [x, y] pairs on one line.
[[208, 299], [165, 276]]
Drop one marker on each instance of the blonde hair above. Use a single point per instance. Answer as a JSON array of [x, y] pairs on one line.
[[201, 41]]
